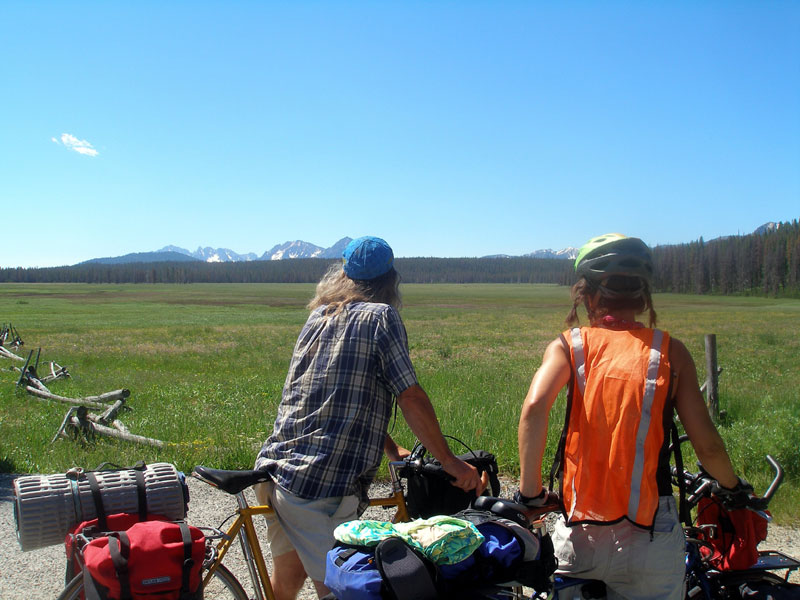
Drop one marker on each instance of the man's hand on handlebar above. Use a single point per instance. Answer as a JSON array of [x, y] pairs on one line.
[[466, 477]]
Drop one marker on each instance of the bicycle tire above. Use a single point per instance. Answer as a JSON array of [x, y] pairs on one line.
[[223, 586]]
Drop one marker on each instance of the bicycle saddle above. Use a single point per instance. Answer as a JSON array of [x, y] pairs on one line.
[[508, 509], [231, 482]]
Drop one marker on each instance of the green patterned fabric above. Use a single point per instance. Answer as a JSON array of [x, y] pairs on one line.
[[366, 532], [443, 540]]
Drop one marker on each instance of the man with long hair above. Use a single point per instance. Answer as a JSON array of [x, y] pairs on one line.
[[349, 365]]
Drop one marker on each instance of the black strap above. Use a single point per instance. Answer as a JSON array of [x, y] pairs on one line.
[[141, 490], [188, 561], [684, 514], [119, 546], [89, 587], [97, 496], [342, 557], [404, 571], [141, 493]]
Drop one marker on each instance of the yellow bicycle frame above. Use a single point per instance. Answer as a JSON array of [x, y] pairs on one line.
[[251, 547]]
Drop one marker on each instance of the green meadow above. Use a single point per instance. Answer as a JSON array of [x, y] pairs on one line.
[[205, 365]]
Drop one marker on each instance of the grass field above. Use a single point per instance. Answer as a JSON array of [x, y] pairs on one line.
[[205, 365]]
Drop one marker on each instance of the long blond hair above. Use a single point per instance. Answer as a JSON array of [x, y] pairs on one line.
[[336, 290]]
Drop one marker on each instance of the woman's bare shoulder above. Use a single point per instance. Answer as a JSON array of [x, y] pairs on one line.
[[679, 354]]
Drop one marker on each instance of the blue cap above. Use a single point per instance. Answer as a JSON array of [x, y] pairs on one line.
[[367, 258]]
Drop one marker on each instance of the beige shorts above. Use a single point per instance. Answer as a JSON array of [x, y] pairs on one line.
[[624, 556], [305, 526]]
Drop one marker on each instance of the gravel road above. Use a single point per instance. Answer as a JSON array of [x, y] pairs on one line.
[[39, 574]]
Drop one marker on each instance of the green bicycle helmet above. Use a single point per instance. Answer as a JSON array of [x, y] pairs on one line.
[[614, 254]]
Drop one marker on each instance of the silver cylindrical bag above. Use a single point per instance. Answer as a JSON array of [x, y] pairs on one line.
[[47, 507]]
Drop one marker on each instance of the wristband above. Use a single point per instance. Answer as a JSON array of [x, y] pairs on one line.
[[521, 499]]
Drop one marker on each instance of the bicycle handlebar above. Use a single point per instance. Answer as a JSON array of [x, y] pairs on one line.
[[776, 482], [701, 485], [417, 465]]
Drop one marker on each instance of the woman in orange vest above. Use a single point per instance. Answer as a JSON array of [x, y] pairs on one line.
[[620, 523]]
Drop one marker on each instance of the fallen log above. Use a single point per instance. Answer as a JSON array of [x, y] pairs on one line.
[[79, 423], [56, 372], [5, 353], [29, 379], [46, 395], [38, 389]]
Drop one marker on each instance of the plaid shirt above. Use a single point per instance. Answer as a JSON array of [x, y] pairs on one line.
[[337, 401]]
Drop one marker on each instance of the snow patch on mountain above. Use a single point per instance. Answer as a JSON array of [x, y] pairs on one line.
[[570, 253]]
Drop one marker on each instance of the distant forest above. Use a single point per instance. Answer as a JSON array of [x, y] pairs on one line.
[[765, 263]]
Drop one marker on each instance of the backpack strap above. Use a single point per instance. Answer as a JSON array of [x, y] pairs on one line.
[[119, 547], [188, 561], [684, 514], [141, 488], [97, 496], [90, 591], [405, 572], [141, 493]]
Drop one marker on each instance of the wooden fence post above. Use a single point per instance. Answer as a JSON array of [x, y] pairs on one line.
[[712, 377]]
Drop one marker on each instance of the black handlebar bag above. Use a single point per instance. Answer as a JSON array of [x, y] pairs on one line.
[[429, 491]]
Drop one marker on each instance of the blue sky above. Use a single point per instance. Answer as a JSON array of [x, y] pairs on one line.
[[448, 128]]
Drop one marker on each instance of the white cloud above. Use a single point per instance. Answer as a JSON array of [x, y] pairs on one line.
[[79, 146]]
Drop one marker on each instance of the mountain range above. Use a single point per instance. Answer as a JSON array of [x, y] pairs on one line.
[[301, 249], [287, 250]]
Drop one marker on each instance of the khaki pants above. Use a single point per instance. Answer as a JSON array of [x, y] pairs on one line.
[[624, 556], [305, 526]]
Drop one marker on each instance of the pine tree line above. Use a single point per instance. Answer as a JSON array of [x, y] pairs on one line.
[[760, 263], [300, 270]]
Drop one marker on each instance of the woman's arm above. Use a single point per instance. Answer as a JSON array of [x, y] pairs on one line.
[[692, 411], [553, 375]]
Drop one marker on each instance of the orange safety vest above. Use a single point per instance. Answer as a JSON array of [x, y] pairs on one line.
[[616, 431]]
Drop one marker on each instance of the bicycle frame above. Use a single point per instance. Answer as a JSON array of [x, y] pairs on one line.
[[397, 497], [243, 528]]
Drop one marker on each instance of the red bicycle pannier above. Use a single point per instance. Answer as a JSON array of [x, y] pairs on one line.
[[152, 560], [738, 533], [91, 529]]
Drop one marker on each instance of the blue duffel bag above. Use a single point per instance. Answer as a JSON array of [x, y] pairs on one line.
[[351, 573], [391, 570]]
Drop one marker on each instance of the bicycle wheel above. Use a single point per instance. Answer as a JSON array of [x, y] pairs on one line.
[[73, 588], [223, 586]]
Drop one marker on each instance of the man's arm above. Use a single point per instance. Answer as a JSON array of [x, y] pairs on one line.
[[532, 433], [421, 418], [692, 411]]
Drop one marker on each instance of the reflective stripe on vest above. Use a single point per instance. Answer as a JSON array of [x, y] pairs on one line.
[[638, 445], [580, 361], [644, 423]]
